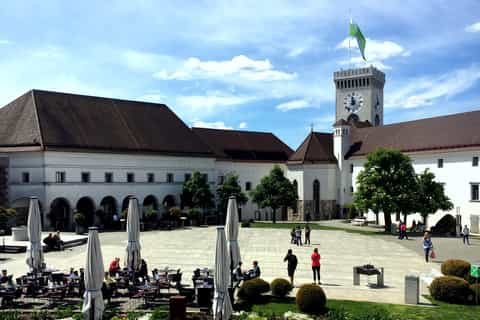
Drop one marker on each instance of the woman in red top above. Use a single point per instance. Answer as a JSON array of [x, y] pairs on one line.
[[316, 266]]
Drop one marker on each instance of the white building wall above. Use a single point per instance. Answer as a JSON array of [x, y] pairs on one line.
[[296, 173], [326, 175], [457, 174]]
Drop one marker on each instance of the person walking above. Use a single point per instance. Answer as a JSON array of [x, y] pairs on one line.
[[292, 262], [404, 230], [293, 236], [298, 236], [316, 266], [466, 235], [307, 234], [427, 245]]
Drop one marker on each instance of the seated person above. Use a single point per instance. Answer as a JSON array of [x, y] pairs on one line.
[[57, 241], [238, 275], [114, 266], [4, 277], [254, 272], [49, 242], [143, 271]]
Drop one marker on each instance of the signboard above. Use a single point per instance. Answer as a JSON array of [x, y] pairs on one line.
[[475, 271]]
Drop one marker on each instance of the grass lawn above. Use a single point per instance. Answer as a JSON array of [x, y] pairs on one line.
[[315, 226], [441, 311]]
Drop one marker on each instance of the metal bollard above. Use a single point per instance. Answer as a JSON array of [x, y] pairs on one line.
[[412, 289]]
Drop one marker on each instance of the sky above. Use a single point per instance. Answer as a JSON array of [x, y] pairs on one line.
[[246, 65]]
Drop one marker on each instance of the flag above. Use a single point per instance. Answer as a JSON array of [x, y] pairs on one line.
[[475, 271], [354, 31]]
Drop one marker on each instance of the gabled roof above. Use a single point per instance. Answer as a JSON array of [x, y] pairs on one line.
[[447, 132], [52, 120], [316, 148], [244, 145]]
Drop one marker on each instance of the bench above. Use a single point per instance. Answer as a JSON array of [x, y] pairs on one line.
[[368, 270]]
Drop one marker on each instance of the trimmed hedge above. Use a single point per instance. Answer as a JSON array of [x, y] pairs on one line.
[[451, 289], [456, 268], [280, 287], [252, 289], [311, 299], [476, 292]]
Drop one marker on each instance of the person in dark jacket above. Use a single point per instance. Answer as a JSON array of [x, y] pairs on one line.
[[292, 262]]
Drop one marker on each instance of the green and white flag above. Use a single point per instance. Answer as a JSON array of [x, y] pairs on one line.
[[354, 31], [475, 271]]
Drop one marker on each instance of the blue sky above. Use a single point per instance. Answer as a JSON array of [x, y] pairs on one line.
[[253, 65]]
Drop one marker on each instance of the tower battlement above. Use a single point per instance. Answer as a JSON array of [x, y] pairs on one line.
[[359, 72]]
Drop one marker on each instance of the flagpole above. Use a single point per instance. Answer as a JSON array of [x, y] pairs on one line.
[[349, 38]]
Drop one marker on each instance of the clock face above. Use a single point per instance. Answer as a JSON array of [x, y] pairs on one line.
[[353, 102]]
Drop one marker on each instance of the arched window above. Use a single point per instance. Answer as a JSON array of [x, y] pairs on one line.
[[248, 186], [295, 186], [316, 197]]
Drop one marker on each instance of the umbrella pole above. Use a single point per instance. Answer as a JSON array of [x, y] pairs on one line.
[[92, 309]]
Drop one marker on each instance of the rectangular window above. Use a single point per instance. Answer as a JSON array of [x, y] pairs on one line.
[[351, 168], [220, 180], [25, 177], [85, 177], [188, 176], [475, 161], [169, 177], [440, 163], [130, 177], [351, 189], [205, 176], [108, 177], [60, 177], [150, 177], [248, 186], [474, 191]]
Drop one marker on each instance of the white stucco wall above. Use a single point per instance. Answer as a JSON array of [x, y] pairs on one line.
[[457, 174]]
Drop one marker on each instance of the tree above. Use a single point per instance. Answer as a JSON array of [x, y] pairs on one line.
[[387, 183], [274, 191], [430, 196], [230, 187], [196, 192]]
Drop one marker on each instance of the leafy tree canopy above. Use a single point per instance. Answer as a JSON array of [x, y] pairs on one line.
[[274, 191], [196, 192], [230, 187]]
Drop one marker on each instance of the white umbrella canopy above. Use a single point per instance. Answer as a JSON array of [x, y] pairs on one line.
[[34, 258], [231, 231], [93, 304], [222, 306], [133, 257]]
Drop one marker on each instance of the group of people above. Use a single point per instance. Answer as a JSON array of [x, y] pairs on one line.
[[292, 263], [53, 242], [114, 268], [296, 235], [239, 275]]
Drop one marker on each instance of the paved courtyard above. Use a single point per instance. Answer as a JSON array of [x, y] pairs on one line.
[[191, 248]]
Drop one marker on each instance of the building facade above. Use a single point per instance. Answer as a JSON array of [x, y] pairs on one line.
[[82, 153]]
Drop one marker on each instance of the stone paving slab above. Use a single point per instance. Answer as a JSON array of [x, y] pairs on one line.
[[191, 248]]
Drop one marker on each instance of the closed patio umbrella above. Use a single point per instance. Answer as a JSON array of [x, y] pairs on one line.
[[222, 306], [34, 257], [231, 232], [93, 304], [133, 257]]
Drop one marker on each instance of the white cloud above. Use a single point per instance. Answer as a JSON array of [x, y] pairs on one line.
[[295, 52], [473, 27], [241, 67], [293, 105], [5, 42], [212, 125], [376, 52], [424, 91], [243, 125]]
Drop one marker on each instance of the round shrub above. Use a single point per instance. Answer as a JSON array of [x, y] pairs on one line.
[[281, 287], [311, 299], [252, 289], [245, 224], [475, 288], [456, 268], [450, 289]]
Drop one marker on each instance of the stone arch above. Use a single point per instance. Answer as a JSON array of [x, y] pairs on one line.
[[86, 205], [150, 202], [109, 205], [125, 202], [295, 186], [60, 210], [316, 198], [168, 201], [21, 206], [353, 118], [446, 225]]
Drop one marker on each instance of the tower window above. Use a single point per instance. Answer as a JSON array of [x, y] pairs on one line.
[[248, 186], [351, 168], [440, 163], [150, 177], [25, 177], [474, 192], [60, 177], [356, 83], [368, 81], [108, 177], [130, 177], [85, 177], [169, 177], [475, 161]]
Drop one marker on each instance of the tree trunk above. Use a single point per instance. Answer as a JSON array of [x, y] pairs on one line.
[[425, 220], [274, 214], [388, 221], [405, 218], [376, 218]]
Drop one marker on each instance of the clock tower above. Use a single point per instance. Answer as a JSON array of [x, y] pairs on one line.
[[359, 95]]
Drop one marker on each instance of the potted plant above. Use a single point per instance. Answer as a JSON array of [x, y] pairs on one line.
[[150, 218], [193, 216], [80, 222], [174, 215]]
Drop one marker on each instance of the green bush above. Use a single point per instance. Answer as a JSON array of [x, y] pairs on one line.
[[245, 224], [456, 268], [451, 289], [352, 211], [252, 289], [281, 287], [80, 219], [311, 299]]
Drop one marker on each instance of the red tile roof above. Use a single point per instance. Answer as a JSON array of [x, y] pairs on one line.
[[316, 148]]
